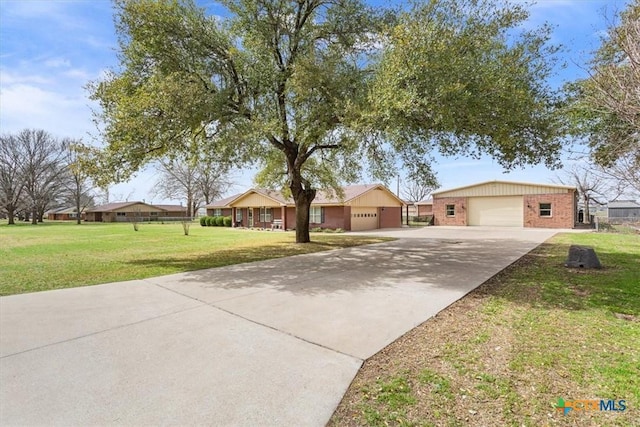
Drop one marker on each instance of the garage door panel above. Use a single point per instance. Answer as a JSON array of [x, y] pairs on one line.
[[364, 219], [496, 211]]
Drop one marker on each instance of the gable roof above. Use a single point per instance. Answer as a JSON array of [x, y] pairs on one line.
[[113, 206], [351, 192], [496, 181], [623, 204], [171, 208]]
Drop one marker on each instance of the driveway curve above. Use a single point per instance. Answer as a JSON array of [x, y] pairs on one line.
[[270, 343]]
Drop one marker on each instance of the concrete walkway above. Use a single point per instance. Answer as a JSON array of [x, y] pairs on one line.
[[272, 343]]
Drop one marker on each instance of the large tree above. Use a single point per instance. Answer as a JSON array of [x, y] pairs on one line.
[[43, 170], [78, 188], [311, 88], [11, 176]]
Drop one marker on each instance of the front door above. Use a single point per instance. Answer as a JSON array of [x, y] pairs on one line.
[[250, 216]]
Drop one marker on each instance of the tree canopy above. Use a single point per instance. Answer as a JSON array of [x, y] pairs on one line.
[[316, 91], [606, 105]]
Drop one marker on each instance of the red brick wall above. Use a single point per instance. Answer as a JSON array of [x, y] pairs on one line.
[[390, 217], [424, 210], [440, 213], [562, 210], [333, 217]]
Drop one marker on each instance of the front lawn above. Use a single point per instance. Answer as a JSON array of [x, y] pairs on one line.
[[56, 255], [505, 354]]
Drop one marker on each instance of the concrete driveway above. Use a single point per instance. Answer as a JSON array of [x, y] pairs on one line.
[[271, 343]]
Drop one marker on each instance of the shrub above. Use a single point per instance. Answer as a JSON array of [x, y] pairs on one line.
[[211, 221], [203, 221], [227, 221], [316, 230], [219, 221]]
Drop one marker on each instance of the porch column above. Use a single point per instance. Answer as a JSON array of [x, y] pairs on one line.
[[233, 216]]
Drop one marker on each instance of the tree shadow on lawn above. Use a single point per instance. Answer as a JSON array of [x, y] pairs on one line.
[[540, 279]]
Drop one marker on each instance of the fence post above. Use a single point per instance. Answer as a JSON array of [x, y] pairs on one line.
[[597, 221]]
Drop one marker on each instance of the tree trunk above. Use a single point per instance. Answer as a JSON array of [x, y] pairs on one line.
[[303, 198], [11, 213], [78, 219], [303, 205], [586, 217], [34, 217]]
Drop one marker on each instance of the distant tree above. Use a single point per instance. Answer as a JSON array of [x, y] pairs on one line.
[[416, 191], [592, 187], [75, 179], [310, 90], [42, 170], [12, 181], [606, 105], [197, 181]]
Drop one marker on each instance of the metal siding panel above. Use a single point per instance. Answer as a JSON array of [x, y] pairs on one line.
[[496, 211], [502, 189]]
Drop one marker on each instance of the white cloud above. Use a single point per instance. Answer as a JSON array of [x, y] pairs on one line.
[[57, 63]]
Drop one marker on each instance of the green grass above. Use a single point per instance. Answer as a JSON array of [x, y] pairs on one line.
[[56, 255], [504, 354]]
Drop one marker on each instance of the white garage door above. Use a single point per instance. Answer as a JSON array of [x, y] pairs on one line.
[[497, 211], [364, 219]]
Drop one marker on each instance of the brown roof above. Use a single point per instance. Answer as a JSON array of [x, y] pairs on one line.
[[112, 206], [171, 208], [109, 207], [322, 197]]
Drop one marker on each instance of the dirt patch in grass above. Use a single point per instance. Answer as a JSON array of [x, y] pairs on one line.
[[504, 355]]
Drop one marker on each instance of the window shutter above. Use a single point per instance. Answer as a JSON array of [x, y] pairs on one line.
[[322, 215]]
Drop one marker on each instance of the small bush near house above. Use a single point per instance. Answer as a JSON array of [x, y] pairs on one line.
[[203, 221], [211, 221], [227, 221], [219, 221], [316, 230]]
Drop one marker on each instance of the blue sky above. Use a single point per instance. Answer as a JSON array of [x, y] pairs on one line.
[[50, 49]]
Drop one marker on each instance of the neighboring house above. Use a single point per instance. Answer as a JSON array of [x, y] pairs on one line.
[[64, 214], [628, 209], [425, 208], [507, 204], [129, 211], [363, 207]]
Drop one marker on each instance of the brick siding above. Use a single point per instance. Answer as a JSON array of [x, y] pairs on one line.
[[440, 211], [562, 210]]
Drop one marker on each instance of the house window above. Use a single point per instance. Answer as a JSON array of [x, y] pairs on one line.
[[545, 209], [121, 214], [316, 215], [451, 210], [238, 215], [265, 214], [153, 213], [217, 212]]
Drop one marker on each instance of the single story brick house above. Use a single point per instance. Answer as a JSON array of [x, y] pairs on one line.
[[127, 211], [363, 207], [64, 214], [507, 204]]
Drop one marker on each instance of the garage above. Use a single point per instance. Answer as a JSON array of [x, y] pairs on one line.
[[496, 211], [506, 204], [364, 219]]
